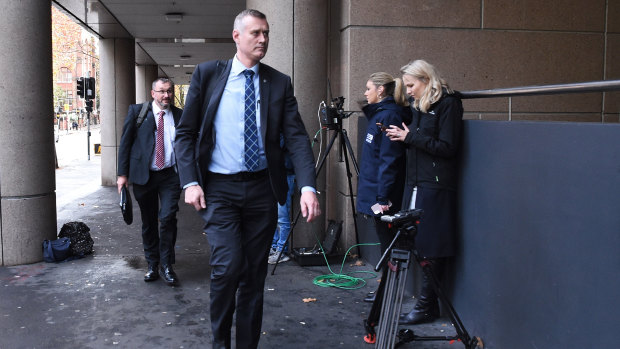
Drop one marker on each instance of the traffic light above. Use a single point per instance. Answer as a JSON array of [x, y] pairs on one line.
[[80, 87], [89, 88], [89, 105]]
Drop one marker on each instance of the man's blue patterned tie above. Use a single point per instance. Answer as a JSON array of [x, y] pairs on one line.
[[251, 130]]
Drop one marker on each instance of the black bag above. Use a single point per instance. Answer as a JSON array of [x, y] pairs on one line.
[[126, 205], [142, 115], [56, 250], [81, 241]]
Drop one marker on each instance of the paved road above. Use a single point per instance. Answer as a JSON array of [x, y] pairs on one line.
[[72, 146]]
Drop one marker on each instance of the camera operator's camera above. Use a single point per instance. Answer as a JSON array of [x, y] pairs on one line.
[[405, 217], [332, 114]]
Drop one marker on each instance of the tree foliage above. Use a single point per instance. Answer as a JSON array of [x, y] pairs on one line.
[[66, 36]]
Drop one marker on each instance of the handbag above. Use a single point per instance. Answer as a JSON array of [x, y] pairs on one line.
[[56, 250]]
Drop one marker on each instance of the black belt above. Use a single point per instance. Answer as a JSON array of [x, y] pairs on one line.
[[239, 176], [165, 169]]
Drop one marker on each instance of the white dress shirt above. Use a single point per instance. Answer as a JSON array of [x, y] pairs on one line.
[[169, 135]]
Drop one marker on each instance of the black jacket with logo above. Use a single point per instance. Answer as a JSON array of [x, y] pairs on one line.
[[432, 144]]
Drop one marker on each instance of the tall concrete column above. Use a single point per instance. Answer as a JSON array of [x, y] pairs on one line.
[[298, 47], [145, 75], [118, 91], [27, 179]]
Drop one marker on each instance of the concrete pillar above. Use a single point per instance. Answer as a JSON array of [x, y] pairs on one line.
[[27, 181], [298, 47], [118, 91], [145, 75]]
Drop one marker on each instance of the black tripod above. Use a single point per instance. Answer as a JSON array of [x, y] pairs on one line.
[[386, 308], [333, 121]]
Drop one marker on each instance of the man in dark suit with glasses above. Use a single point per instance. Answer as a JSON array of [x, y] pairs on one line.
[[146, 159]]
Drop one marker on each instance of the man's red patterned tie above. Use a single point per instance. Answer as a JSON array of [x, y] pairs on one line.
[[160, 155]]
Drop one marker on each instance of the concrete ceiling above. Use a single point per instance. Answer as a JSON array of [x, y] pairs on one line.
[[173, 34]]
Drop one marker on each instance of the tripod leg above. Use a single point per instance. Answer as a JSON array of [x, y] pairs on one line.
[[329, 147], [375, 311], [462, 333], [392, 299], [349, 175], [348, 144]]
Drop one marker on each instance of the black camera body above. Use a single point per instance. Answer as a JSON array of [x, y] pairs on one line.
[[332, 114], [402, 218]]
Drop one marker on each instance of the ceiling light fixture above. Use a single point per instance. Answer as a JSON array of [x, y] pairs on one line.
[[174, 16], [190, 40], [185, 57]]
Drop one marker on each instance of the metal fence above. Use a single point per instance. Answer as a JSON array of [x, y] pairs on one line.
[[580, 87]]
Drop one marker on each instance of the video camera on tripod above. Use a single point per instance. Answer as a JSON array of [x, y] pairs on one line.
[[386, 308], [406, 224], [331, 115]]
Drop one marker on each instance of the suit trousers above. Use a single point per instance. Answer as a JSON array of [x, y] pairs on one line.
[[159, 203], [240, 217]]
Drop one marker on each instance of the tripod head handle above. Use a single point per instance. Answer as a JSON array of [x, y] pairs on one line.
[[403, 217]]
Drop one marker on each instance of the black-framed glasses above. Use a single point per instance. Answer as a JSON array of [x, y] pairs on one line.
[[164, 92]]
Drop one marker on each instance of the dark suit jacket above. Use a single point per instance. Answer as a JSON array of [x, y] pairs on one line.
[[195, 137], [138, 144]]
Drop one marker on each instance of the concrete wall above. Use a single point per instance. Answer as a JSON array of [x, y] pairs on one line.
[[27, 186], [118, 91], [480, 45], [538, 264], [145, 75], [476, 44]]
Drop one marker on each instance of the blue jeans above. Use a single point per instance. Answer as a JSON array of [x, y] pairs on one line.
[[284, 218]]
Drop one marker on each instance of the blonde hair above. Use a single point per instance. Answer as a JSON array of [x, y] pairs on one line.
[[435, 84], [392, 86]]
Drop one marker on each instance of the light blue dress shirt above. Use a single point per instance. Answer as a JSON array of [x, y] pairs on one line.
[[228, 155]]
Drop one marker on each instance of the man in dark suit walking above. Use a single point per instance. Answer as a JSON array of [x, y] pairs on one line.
[[146, 159], [232, 168]]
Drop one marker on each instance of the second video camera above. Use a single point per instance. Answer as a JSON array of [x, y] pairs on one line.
[[403, 217]]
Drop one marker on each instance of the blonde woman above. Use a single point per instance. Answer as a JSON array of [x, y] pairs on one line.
[[432, 140]]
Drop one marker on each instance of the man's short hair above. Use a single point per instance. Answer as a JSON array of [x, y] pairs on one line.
[[163, 81], [238, 25]]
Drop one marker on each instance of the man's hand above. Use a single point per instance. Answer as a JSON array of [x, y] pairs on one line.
[[120, 182], [196, 197], [309, 205]]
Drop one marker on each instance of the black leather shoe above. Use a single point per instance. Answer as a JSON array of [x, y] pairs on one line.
[[151, 273], [370, 297], [169, 276]]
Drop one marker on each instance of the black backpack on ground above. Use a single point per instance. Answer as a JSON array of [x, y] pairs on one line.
[[79, 234]]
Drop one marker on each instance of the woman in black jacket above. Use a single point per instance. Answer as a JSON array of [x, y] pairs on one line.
[[432, 140]]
